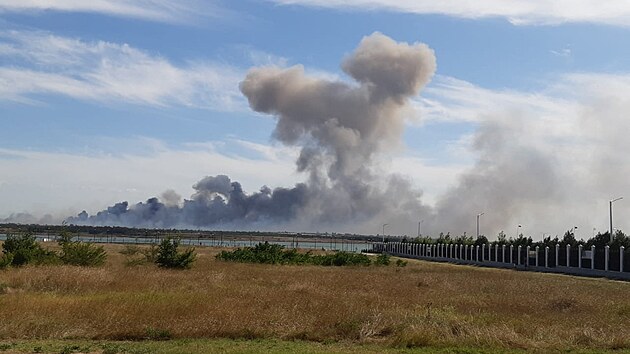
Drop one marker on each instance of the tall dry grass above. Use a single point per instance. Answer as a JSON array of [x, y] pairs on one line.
[[423, 304]]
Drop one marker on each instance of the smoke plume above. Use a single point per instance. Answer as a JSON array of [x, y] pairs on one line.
[[340, 129]]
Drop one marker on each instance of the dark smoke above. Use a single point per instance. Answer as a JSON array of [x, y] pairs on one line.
[[340, 128]]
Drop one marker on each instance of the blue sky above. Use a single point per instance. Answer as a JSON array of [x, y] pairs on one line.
[[144, 94]]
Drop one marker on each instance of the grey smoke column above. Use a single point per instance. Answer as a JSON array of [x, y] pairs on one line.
[[339, 126]]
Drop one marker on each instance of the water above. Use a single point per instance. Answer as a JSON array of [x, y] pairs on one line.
[[338, 245]]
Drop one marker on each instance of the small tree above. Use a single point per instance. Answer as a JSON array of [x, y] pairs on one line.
[[169, 257], [82, 254], [22, 249]]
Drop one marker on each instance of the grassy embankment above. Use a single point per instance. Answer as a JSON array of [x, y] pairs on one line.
[[317, 309]]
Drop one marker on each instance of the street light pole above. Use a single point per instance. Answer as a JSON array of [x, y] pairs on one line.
[[384, 232], [611, 223], [478, 215], [518, 228], [419, 223]]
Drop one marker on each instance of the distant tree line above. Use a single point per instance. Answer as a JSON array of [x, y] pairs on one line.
[[599, 241]]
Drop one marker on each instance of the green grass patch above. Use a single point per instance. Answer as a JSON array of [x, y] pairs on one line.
[[194, 346]]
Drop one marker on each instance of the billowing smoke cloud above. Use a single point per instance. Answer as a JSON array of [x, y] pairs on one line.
[[340, 128]]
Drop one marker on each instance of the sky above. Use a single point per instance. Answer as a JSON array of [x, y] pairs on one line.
[[524, 117]]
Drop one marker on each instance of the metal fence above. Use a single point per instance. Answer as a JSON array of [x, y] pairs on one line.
[[331, 244], [592, 261]]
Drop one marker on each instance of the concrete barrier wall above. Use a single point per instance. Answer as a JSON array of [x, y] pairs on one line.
[[592, 262]]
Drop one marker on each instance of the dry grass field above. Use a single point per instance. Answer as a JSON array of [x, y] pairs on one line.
[[421, 305]]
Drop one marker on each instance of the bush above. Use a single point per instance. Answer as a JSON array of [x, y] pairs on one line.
[[6, 260], [342, 259], [401, 263], [22, 249], [82, 254], [168, 256], [383, 259], [267, 253]]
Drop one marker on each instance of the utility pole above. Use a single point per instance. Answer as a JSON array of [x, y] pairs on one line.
[[419, 224], [384, 232], [478, 215], [611, 216]]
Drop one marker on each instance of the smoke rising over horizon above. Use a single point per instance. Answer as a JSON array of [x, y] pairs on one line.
[[340, 129], [548, 161]]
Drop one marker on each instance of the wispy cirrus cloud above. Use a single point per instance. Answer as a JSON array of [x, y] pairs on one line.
[[152, 10], [36, 63], [520, 12]]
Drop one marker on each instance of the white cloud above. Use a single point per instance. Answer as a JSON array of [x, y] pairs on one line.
[[41, 63], [520, 12], [153, 10]]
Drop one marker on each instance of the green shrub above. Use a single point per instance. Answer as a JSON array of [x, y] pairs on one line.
[[342, 259], [19, 250], [267, 253], [82, 254], [22, 249], [383, 259], [169, 257], [6, 260], [401, 263]]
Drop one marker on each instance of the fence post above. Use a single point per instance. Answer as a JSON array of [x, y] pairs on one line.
[[537, 249], [452, 248], [465, 252], [621, 250], [512, 254], [483, 251], [579, 256], [503, 253], [593, 257], [527, 256], [518, 256], [546, 256], [568, 255], [496, 253], [607, 251], [477, 253]]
